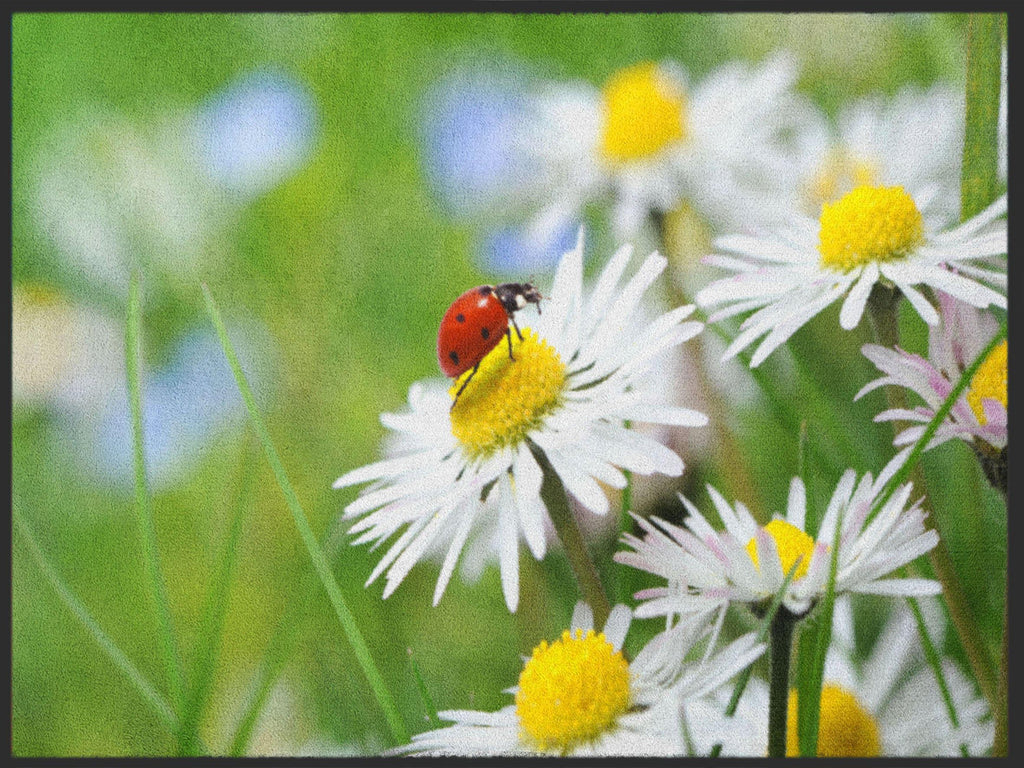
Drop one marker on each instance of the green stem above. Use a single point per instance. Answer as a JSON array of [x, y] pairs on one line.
[[778, 695], [552, 492], [143, 508], [979, 173], [882, 306], [315, 552]]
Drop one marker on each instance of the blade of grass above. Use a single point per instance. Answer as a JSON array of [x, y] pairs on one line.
[[762, 634], [979, 173], [212, 625], [932, 656], [138, 681], [428, 703], [316, 555], [809, 696], [143, 508]]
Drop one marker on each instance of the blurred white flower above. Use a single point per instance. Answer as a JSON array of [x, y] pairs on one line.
[[63, 354]]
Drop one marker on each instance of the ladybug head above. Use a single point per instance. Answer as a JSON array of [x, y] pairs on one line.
[[515, 296]]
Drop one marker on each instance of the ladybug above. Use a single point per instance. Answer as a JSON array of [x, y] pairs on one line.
[[475, 323]]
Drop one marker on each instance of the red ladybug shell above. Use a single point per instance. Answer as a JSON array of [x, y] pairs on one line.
[[473, 325]]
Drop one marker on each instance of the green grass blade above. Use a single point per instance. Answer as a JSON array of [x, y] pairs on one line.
[[211, 628], [762, 634], [428, 703], [809, 698], [979, 180], [145, 689], [932, 656], [316, 555], [143, 508]]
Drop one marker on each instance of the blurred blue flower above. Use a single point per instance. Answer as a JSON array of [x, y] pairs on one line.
[[467, 144], [517, 251], [184, 406], [256, 131]]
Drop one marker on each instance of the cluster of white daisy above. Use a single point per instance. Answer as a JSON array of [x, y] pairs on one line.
[[805, 216]]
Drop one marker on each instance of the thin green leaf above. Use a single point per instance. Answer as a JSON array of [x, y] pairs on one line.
[[932, 656], [428, 703], [212, 625], [762, 633], [316, 555], [979, 181], [143, 508], [145, 689]]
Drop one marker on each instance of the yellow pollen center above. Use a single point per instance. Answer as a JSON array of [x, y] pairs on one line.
[[869, 224], [643, 112], [989, 382], [845, 728], [840, 172], [791, 543], [571, 691], [507, 398]]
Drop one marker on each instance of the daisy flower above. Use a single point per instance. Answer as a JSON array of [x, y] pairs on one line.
[[878, 141], [580, 696], [887, 704], [650, 140], [577, 377], [979, 416], [873, 235], [747, 563]]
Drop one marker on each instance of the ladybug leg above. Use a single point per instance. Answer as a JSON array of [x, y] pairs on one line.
[[472, 373], [508, 335]]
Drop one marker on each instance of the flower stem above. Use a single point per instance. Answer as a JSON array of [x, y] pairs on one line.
[[778, 695], [552, 492], [882, 306], [979, 176]]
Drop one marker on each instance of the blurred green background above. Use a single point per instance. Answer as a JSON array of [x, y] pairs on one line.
[[334, 267]]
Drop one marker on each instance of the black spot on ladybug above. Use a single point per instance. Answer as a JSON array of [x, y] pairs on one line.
[[460, 317], [485, 332], [485, 290], [454, 356]]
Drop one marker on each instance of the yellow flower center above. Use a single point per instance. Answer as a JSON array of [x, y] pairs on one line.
[[643, 112], [845, 728], [840, 172], [867, 225], [791, 543], [989, 382], [571, 691], [507, 398]]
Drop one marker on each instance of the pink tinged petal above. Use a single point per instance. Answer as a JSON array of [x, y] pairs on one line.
[[796, 507], [853, 306], [468, 513]]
